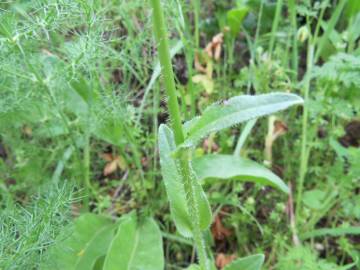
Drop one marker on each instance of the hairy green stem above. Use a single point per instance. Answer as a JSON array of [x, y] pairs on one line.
[[167, 70], [173, 105]]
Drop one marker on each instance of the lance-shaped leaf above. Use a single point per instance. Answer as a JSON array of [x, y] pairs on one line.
[[81, 244], [231, 167], [253, 262], [236, 110], [136, 246], [174, 184]]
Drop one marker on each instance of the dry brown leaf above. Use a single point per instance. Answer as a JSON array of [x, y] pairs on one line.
[[210, 146], [27, 130], [110, 167], [280, 128], [222, 260], [113, 163], [107, 157], [213, 49], [218, 230]]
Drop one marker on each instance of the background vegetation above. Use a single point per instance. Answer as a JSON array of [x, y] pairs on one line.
[[81, 100]]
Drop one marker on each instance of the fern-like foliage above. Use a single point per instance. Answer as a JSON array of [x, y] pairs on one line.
[[341, 68], [27, 231]]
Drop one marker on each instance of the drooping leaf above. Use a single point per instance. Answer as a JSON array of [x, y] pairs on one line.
[[253, 262], [223, 167], [234, 111], [244, 135], [171, 172], [135, 246], [86, 240], [235, 17]]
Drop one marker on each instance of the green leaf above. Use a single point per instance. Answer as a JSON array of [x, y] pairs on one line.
[[136, 246], [253, 262], [197, 267], [193, 267], [235, 17], [211, 167], [171, 172], [244, 135], [110, 129], [234, 111], [335, 232], [314, 199], [352, 8], [82, 89], [87, 239]]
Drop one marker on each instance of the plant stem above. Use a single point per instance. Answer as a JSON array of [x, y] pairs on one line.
[[312, 58], [304, 147], [173, 105], [196, 4], [294, 56], [275, 25], [167, 70], [258, 26], [86, 164]]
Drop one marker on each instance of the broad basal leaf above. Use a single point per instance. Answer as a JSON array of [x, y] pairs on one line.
[[81, 244], [171, 172], [234, 111], [253, 262], [231, 167], [135, 246]]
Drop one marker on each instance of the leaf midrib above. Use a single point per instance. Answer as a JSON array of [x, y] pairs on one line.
[[234, 113], [132, 256], [89, 243]]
